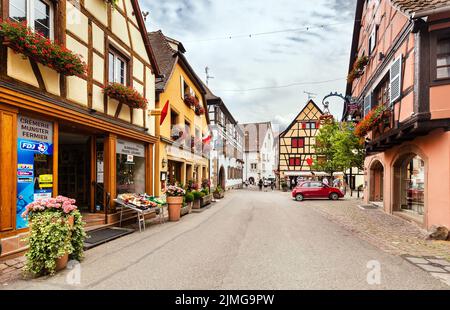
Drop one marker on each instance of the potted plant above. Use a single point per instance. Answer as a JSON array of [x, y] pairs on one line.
[[207, 197], [189, 199], [56, 234], [372, 120], [197, 196], [199, 110], [218, 193], [174, 199]]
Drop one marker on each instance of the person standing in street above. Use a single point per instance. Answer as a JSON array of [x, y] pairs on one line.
[[325, 181], [272, 185], [260, 184]]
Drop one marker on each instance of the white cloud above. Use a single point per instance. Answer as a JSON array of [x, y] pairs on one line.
[[267, 60]]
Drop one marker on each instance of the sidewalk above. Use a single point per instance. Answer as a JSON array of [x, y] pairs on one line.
[[388, 232]]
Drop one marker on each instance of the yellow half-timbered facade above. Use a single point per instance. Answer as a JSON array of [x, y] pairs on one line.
[[61, 133], [296, 145]]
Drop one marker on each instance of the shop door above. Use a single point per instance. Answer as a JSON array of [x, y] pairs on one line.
[[74, 164]]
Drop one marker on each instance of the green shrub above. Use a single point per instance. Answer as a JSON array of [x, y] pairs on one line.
[[197, 195], [189, 197], [205, 191]]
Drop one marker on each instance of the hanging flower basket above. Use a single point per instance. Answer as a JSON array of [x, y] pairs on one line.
[[35, 46], [126, 95], [358, 69]]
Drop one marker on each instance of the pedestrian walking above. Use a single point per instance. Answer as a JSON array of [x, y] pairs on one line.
[[272, 185], [260, 184], [325, 181]]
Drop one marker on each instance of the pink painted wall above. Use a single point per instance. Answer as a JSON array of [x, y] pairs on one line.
[[435, 151], [439, 101]]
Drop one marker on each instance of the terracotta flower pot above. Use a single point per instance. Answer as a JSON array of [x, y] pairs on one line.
[[175, 204], [61, 263]]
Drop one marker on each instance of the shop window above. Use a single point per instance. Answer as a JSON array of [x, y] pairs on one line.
[[117, 68], [414, 186], [130, 167], [37, 13]]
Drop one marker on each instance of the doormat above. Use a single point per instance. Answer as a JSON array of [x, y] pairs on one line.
[[104, 235]]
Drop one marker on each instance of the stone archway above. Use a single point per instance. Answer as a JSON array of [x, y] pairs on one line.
[[376, 182], [222, 177]]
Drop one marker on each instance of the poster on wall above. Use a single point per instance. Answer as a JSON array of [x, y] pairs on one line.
[[34, 151]]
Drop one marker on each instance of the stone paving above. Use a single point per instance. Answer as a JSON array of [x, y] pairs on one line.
[[11, 270], [390, 233]]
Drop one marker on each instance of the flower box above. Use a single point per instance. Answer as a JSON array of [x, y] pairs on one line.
[[190, 101], [126, 95], [377, 118], [358, 68], [38, 48], [206, 200]]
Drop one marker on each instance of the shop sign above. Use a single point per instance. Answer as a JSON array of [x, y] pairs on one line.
[[130, 148], [35, 130], [34, 146]]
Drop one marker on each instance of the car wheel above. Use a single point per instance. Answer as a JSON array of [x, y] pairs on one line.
[[334, 196], [299, 197]]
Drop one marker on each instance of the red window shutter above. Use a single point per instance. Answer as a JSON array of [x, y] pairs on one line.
[[292, 161], [317, 124], [301, 142], [303, 125], [297, 162], [294, 142]]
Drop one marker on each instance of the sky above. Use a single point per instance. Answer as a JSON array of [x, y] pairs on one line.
[[300, 42]]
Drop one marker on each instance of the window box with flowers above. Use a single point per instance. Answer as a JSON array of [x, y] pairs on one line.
[[199, 110], [126, 95], [377, 118], [56, 234], [358, 68], [190, 101], [37, 48]]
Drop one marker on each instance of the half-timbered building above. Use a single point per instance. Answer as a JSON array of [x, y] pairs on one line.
[[183, 150], [400, 74], [296, 146], [61, 133]]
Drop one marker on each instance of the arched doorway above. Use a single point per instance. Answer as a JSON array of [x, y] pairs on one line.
[[410, 185], [222, 177], [376, 182]]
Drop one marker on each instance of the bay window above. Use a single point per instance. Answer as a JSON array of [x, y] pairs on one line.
[[38, 14]]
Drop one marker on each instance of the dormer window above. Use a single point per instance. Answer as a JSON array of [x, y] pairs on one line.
[[37, 13]]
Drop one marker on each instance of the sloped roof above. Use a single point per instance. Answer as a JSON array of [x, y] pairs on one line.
[[301, 111], [143, 30], [165, 56], [417, 6]]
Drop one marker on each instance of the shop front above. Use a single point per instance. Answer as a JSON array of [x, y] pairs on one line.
[[42, 156]]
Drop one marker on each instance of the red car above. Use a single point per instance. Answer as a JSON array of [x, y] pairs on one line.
[[315, 190]]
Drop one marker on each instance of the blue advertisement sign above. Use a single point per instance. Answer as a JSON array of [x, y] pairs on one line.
[[26, 151]]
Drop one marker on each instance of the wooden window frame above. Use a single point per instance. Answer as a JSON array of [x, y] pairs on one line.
[[435, 37], [113, 49], [30, 13]]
